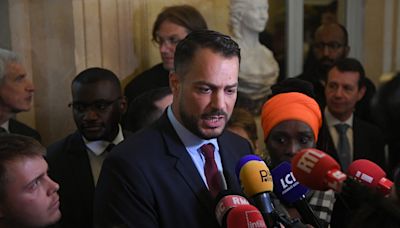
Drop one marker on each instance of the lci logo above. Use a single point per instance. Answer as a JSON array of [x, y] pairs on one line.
[[287, 180]]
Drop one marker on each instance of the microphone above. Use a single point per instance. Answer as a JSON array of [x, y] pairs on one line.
[[371, 175], [317, 170], [245, 216], [226, 201], [289, 190], [257, 183]]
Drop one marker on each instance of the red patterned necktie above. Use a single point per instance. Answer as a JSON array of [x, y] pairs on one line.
[[211, 170]]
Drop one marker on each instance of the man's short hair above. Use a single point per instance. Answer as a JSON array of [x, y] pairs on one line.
[[217, 42], [12, 148], [183, 15], [96, 74], [142, 111], [352, 65], [7, 57]]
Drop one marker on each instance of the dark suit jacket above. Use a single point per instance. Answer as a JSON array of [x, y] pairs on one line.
[[155, 77], [150, 180], [69, 166], [363, 107], [368, 142], [17, 127]]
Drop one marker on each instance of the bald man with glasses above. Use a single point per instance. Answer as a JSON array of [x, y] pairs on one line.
[[331, 43]]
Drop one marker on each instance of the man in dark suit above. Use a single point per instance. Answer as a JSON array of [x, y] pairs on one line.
[[164, 176], [330, 45], [16, 93], [75, 161], [345, 86], [344, 136]]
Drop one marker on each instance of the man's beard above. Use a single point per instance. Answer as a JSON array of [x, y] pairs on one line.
[[191, 122]]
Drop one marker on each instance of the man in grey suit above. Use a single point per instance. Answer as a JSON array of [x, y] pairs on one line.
[[163, 176], [16, 94]]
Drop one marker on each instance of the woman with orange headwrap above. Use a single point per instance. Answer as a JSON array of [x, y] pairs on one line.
[[291, 122]]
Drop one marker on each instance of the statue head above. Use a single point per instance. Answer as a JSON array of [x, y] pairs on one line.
[[252, 14]]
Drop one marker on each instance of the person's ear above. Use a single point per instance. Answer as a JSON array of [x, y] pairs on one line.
[[361, 92], [174, 82], [123, 104]]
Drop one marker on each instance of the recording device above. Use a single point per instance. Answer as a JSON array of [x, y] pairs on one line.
[[245, 216], [317, 170], [257, 183], [227, 200], [289, 190], [370, 175]]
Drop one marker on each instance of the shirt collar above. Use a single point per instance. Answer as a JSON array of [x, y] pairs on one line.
[[190, 140], [6, 125], [99, 146], [332, 121]]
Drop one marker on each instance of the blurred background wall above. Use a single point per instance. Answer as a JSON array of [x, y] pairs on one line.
[[59, 38]]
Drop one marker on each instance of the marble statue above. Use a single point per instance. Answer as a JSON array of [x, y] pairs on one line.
[[258, 69]]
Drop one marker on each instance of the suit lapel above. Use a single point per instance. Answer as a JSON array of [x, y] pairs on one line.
[[325, 142], [229, 160], [80, 166], [184, 164], [358, 146]]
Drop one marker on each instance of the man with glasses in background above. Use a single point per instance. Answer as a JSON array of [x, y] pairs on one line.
[[170, 27], [330, 45], [75, 161]]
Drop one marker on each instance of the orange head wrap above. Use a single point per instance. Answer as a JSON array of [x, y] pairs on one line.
[[290, 106]]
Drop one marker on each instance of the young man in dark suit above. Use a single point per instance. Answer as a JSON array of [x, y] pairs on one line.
[[75, 161], [16, 94], [163, 176], [28, 196]]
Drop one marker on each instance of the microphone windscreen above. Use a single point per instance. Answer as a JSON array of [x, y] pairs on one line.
[[316, 169], [226, 200], [245, 216], [366, 172], [244, 160], [286, 187], [370, 174], [255, 178]]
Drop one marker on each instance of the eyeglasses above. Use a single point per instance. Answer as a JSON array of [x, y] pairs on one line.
[[332, 46], [172, 41], [97, 106]]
